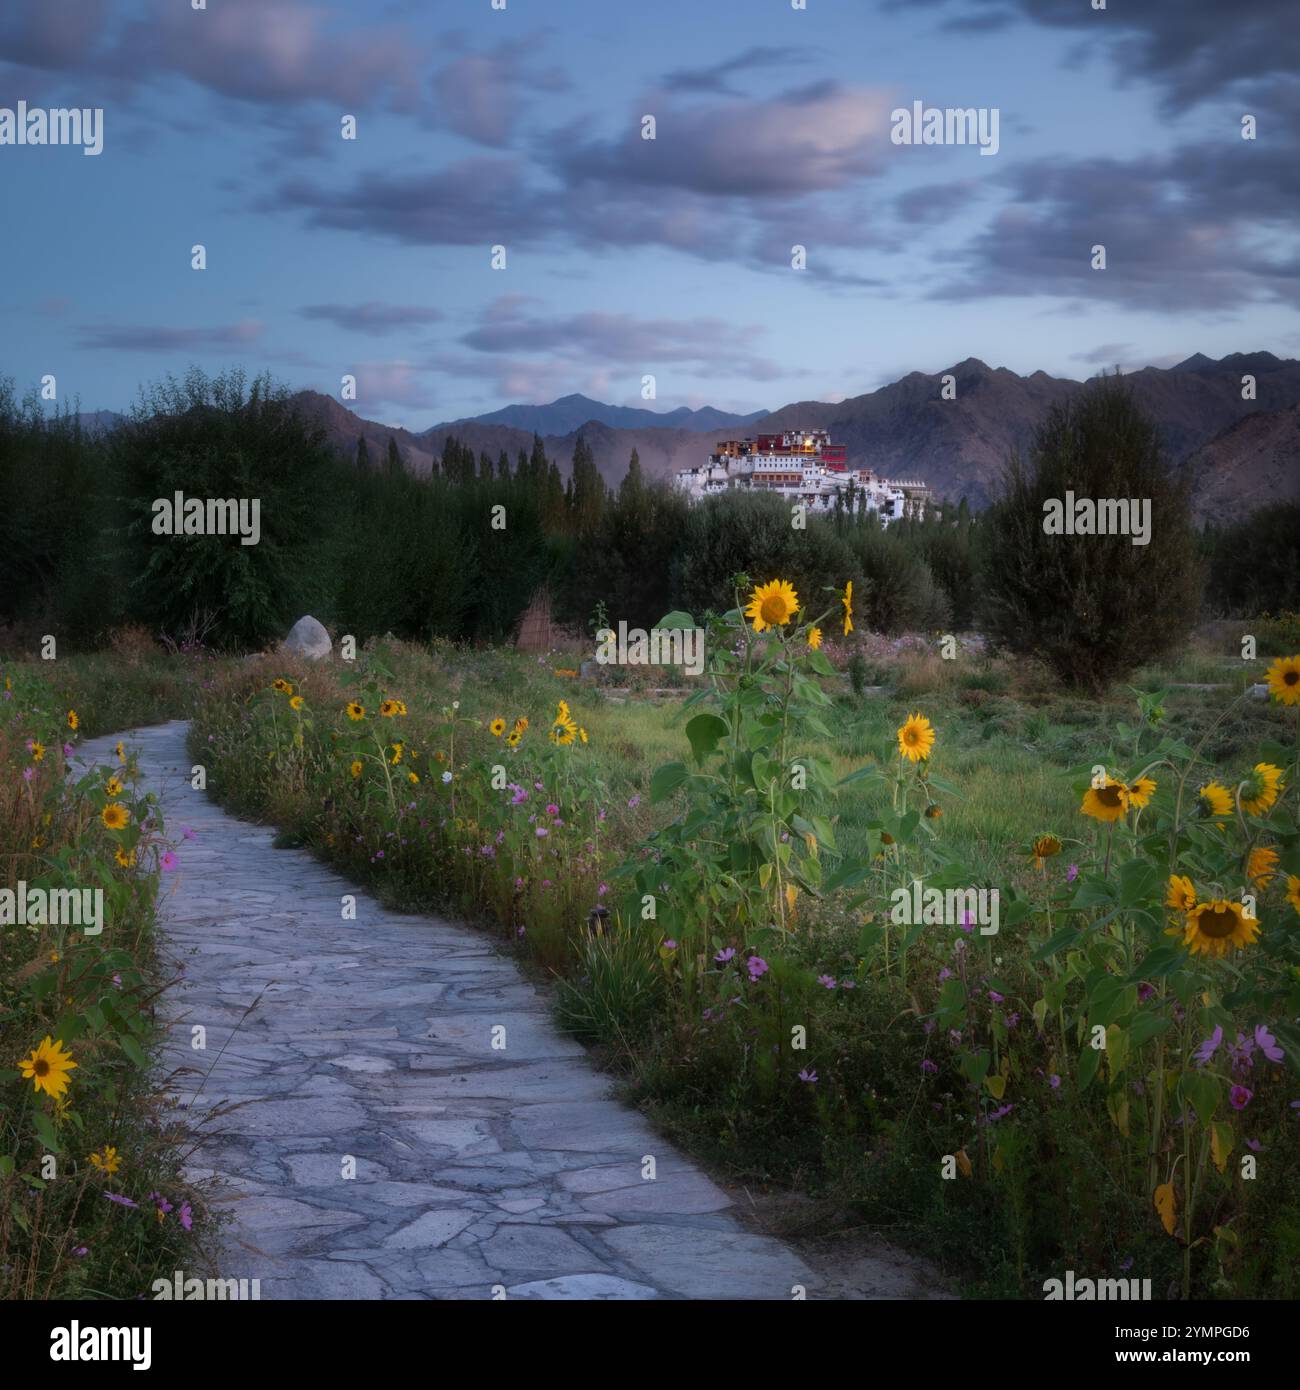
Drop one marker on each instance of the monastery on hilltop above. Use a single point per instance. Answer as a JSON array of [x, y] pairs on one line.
[[804, 466]]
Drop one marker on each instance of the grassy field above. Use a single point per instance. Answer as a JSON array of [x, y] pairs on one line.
[[935, 1085]]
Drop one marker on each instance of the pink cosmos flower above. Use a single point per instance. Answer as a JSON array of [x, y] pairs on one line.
[[1268, 1044], [757, 967], [1239, 1097], [168, 861], [725, 955]]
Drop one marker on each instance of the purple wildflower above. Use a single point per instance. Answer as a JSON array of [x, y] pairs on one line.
[[1268, 1044], [1239, 1097], [1205, 1053]]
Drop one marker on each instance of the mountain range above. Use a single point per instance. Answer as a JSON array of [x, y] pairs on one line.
[[570, 413], [1237, 453]]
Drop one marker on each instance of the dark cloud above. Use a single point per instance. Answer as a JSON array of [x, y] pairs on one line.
[[151, 338], [1183, 231], [476, 202], [935, 202], [57, 36], [512, 327], [372, 317], [1194, 49], [713, 79]]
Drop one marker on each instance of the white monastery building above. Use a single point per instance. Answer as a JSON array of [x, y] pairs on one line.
[[804, 466]]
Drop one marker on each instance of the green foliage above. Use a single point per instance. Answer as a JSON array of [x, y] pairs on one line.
[[1254, 563], [219, 437], [1093, 607]]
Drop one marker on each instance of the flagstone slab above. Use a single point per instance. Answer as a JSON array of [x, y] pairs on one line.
[[374, 1046]]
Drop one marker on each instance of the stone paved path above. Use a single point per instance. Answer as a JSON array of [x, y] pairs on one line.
[[475, 1169]]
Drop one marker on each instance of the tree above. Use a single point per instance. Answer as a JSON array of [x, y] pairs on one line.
[[1092, 606]]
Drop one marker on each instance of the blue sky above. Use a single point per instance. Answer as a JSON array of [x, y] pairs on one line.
[[625, 257]]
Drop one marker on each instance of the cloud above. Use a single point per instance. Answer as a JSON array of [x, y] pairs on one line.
[[152, 338], [1203, 227], [1105, 356], [599, 337], [372, 317], [821, 138], [714, 77], [393, 383], [935, 202], [481, 95], [481, 201], [1195, 49], [273, 52], [58, 36]]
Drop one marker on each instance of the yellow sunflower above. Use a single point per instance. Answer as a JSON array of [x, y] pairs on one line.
[[563, 733], [1261, 790], [1217, 798], [282, 687], [1261, 865], [497, 727], [387, 709], [120, 751], [1045, 846], [915, 738], [397, 754], [1284, 680], [582, 734], [355, 769], [513, 738], [125, 859], [772, 605], [112, 787], [356, 710], [1106, 803], [1182, 894], [521, 725], [1214, 928], [107, 1162], [38, 751], [847, 600], [1293, 891], [413, 777], [48, 1067], [115, 816], [1140, 792], [815, 638], [73, 721], [295, 701]]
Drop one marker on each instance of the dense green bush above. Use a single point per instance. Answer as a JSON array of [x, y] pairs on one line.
[[1255, 563], [1092, 607]]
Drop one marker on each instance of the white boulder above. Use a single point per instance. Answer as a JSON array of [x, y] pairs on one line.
[[308, 638]]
